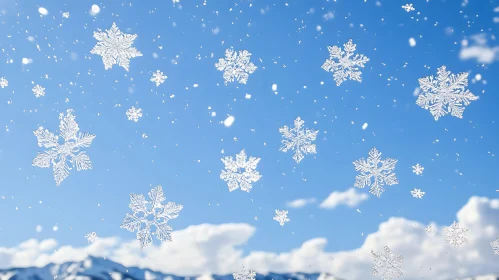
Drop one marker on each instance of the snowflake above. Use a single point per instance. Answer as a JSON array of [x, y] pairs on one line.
[[3, 82], [408, 7], [281, 216], [133, 114], [445, 94], [70, 152], [233, 174], [115, 47], [417, 169], [92, 237], [161, 214], [175, 1], [158, 78], [495, 246], [298, 139], [430, 230], [417, 193], [455, 235], [370, 168], [244, 274], [65, 15], [38, 91], [347, 66], [236, 66], [387, 265]]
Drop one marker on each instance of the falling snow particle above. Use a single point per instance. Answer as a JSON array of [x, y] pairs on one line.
[[364, 126], [281, 216], [229, 121], [417, 193], [94, 10], [430, 230], [417, 169], [3, 82], [43, 11], [274, 87], [408, 7], [412, 42], [38, 91], [133, 114], [92, 237], [158, 78]]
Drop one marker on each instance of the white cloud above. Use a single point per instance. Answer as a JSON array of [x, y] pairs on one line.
[[301, 202], [350, 197], [207, 248], [480, 50]]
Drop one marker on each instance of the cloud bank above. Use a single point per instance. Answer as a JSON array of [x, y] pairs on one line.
[[350, 198], [479, 50]]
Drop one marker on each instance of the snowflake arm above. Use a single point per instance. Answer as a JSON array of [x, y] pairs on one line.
[[38, 91]]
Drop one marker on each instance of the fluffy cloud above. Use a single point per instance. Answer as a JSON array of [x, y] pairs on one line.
[[209, 248], [301, 202], [479, 50], [350, 197]]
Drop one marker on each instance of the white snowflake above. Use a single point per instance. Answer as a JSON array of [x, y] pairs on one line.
[[133, 114], [158, 78], [3, 82], [445, 94], [92, 237], [38, 91], [495, 246], [387, 264], [298, 139], [417, 193], [236, 66], [347, 66], [157, 213], [244, 274], [235, 177], [281, 216], [65, 15], [417, 169], [430, 230], [408, 7], [69, 152], [374, 167], [115, 47], [455, 235]]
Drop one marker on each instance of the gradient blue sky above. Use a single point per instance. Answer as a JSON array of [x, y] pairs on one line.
[[183, 149]]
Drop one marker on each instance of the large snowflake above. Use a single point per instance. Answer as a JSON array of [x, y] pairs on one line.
[[115, 47], [495, 246], [157, 213], [234, 174], [66, 156], [158, 78], [445, 94], [387, 264], [281, 216], [380, 170], [244, 274], [298, 139], [236, 66], [455, 235], [346, 65]]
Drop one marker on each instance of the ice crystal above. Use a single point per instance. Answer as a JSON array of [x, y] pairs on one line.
[[387, 264], [234, 174], [376, 168], [495, 246], [69, 152], [281, 216], [417, 169], [133, 114], [65, 15], [236, 66], [445, 94], [417, 193], [38, 91], [115, 47], [455, 235], [157, 213], [91, 237], [3, 82], [347, 66], [408, 7], [298, 139], [244, 274], [158, 78], [430, 230]]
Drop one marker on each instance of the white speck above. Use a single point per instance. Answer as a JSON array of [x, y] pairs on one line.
[[274, 87], [229, 121], [412, 42], [195, 85], [416, 91], [26, 60], [318, 28], [216, 30], [213, 114], [43, 11], [31, 38], [55, 228], [247, 96], [95, 10], [39, 228], [65, 15], [478, 77], [155, 55], [364, 126]]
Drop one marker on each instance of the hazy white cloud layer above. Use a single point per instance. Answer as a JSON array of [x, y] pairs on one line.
[[350, 198], [210, 248], [301, 202], [479, 50]]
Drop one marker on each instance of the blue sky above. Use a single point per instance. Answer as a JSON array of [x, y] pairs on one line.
[[183, 149]]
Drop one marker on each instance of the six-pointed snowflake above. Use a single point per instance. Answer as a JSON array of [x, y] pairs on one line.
[[244, 274], [235, 176], [3, 82], [69, 152], [417, 193], [281, 216], [495, 246], [38, 91], [376, 168], [346, 65], [408, 7], [157, 213], [236, 66], [133, 114], [115, 47], [445, 94], [387, 264], [455, 235], [298, 139], [430, 230], [417, 169], [158, 78], [92, 237]]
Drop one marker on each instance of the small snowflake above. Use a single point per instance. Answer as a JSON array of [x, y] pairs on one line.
[[445, 94], [236, 66], [175, 1], [244, 274], [158, 78], [417, 169], [417, 193], [92, 237], [133, 114], [387, 265], [408, 7], [3, 82], [65, 15], [235, 177], [281, 216], [455, 235], [375, 167], [430, 230], [157, 213], [495, 246], [298, 139], [347, 66], [38, 91]]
